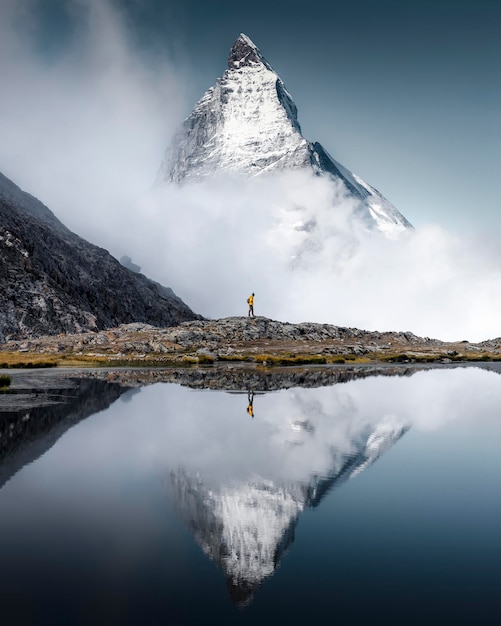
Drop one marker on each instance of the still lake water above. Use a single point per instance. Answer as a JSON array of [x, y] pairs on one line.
[[376, 499]]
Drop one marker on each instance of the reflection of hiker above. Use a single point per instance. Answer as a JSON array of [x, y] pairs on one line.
[[250, 398], [250, 302]]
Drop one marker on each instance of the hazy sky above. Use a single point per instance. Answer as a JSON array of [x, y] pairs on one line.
[[407, 95]]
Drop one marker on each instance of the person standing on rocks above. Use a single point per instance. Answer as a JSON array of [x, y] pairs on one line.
[[250, 302]]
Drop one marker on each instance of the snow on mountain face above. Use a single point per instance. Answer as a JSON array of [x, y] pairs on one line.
[[247, 123]]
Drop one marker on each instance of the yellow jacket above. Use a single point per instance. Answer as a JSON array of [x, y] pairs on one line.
[[250, 300]]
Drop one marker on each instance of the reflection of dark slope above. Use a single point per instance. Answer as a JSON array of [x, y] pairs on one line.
[[246, 528], [29, 430]]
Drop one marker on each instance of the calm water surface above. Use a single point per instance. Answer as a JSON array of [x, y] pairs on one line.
[[376, 499]]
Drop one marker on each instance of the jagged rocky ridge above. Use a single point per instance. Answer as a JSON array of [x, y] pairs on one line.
[[53, 281], [236, 336], [247, 123]]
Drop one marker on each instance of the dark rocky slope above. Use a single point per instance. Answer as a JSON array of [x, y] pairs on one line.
[[53, 281]]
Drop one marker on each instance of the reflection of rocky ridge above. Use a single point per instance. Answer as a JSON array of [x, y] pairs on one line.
[[242, 378], [247, 527], [33, 419]]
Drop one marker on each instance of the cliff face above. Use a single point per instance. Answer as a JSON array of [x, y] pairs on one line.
[[53, 281]]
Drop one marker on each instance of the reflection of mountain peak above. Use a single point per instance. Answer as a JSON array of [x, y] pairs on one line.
[[241, 593], [246, 527]]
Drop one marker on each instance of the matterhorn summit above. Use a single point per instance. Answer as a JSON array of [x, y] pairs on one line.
[[247, 124]]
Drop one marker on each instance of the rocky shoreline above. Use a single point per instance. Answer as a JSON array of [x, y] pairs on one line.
[[259, 340]]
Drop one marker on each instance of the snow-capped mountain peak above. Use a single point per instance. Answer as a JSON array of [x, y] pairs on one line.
[[247, 123]]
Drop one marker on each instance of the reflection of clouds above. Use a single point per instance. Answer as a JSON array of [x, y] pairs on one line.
[[429, 400], [168, 425], [295, 433]]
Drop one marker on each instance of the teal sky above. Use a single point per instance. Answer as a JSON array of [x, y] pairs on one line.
[[407, 95]]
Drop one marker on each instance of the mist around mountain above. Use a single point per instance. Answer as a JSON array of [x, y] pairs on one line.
[[53, 281], [251, 205], [247, 123]]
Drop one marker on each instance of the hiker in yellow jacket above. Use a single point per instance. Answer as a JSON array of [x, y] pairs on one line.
[[250, 302]]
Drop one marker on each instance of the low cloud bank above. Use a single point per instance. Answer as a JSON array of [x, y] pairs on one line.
[[281, 237]]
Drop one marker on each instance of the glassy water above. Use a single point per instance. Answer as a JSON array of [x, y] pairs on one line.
[[375, 499]]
